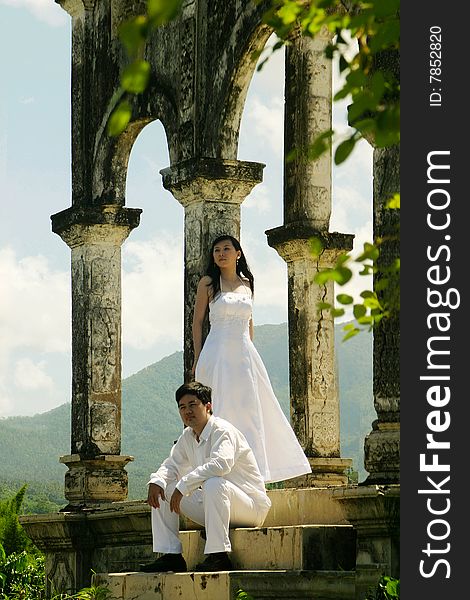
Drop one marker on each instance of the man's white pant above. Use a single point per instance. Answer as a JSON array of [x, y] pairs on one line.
[[216, 506]]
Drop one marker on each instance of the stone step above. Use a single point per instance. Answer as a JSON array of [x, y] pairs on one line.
[[299, 506], [224, 585], [300, 547]]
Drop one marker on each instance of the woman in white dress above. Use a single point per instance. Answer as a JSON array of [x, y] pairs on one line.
[[230, 364]]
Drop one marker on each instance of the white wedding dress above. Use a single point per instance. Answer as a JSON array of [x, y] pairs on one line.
[[241, 391]]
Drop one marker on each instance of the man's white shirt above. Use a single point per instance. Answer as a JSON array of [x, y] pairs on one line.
[[222, 451]]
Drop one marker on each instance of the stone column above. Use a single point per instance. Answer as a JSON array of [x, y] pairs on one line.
[[374, 512], [211, 191], [95, 234], [312, 364], [307, 209], [382, 445]]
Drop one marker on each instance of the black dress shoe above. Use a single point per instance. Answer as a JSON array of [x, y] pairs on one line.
[[218, 561], [165, 564]]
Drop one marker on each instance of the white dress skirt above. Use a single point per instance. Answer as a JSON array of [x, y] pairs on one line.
[[241, 391]]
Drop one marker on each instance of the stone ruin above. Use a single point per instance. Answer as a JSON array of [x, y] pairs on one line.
[[202, 65]]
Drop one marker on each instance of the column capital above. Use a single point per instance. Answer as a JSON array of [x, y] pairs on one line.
[[76, 8], [212, 180], [292, 241], [107, 224]]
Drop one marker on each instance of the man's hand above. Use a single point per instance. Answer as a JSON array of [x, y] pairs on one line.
[[175, 501], [154, 494]]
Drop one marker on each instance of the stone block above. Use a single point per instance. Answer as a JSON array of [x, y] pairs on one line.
[[285, 585], [304, 547]]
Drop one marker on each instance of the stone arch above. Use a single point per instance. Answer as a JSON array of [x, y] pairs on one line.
[[148, 264], [112, 154], [238, 89]]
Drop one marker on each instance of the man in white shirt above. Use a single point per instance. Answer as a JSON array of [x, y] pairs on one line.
[[212, 477]]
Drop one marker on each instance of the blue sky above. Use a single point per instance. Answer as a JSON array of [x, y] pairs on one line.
[[35, 183]]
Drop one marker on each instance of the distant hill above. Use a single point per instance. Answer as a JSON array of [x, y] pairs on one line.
[[30, 446]]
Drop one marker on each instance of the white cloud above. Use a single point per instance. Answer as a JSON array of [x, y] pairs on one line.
[[265, 120], [45, 10], [352, 191], [32, 376], [34, 320], [152, 288], [259, 199], [34, 304]]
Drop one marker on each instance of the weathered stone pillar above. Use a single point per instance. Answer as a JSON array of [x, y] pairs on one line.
[[307, 209], [95, 234], [312, 364], [211, 191], [374, 512], [382, 445]]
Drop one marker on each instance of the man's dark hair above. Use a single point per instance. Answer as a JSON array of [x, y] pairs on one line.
[[194, 388]]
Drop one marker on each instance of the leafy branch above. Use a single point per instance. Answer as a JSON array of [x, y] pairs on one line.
[[374, 25], [388, 588], [376, 304]]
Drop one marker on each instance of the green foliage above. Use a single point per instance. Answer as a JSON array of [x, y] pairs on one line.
[[382, 302], [119, 118], [387, 588], [242, 595], [353, 476], [374, 26], [21, 576], [93, 593], [12, 537]]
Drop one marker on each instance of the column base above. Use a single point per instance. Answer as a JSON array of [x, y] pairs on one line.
[[374, 512], [97, 480], [382, 453], [325, 472]]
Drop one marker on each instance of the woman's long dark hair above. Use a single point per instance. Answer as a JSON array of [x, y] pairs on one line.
[[242, 266]]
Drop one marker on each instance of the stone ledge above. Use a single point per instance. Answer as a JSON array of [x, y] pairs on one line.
[[288, 585], [87, 214], [211, 169], [303, 231]]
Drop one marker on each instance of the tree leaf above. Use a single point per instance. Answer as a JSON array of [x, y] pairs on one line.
[[370, 252], [344, 150], [394, 202], [316, 246], [163, 11], [344, 299], [351, 334], [119, 118], [359, 311], [133, 34], [321, 144], [135, 77], [343, 275]]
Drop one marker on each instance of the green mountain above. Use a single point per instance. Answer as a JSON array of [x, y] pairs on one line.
[[30, 446]]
